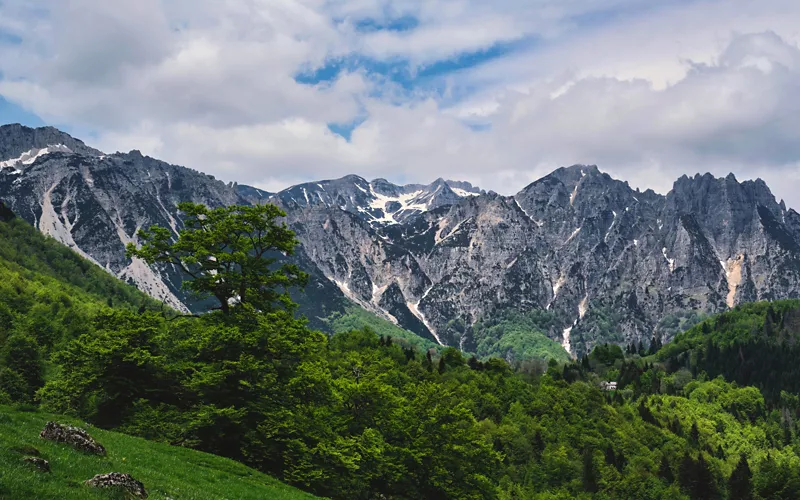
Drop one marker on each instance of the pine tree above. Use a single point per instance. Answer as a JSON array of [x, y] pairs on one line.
[[646, 414], [769, 322], [665, 471], [442, 365], [686, 473], [611, 457], [705, 486], [589, 473], [740, 483], [678, 427], [695, 434], [787, 433], [538, 443], [621, 461]]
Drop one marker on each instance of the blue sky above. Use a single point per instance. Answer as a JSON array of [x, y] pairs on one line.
[[497, 93], [12, 113]]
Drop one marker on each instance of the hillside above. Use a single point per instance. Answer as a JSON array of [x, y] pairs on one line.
[[49, 296], [754, 344], [168, 472], [31, 262]]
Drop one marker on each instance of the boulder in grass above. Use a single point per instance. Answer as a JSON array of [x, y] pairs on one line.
[[40, 463], [73, 436], [119, 481]]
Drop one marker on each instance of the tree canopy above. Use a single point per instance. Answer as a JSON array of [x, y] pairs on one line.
[[229, 253]]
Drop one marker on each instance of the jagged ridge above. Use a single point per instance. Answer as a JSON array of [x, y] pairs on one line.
[[609, 262]]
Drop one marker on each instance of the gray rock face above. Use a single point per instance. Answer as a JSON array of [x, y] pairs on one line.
[[577, 242], [20, 142], [95, 203], [610, 263]]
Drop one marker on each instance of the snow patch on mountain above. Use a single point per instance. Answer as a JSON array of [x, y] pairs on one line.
[[30, 157], [463, 192], [406, 201]]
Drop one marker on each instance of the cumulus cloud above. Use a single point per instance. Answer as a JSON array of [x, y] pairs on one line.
[[646, 93]]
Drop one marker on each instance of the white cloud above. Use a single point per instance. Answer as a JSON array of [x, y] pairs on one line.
[[648, 95]]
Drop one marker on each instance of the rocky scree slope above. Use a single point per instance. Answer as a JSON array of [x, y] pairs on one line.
[[605, 261]]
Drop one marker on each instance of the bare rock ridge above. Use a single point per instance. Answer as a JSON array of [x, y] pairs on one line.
[[438, 258]]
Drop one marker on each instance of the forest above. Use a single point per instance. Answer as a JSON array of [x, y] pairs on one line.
[[362, 415]]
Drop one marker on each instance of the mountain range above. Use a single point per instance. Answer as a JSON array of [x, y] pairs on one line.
[[592, 259]]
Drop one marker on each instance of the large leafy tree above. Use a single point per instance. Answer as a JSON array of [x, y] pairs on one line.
[[230, 253]]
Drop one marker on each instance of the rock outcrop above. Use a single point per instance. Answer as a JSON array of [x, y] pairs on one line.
[[119, 481], [72, 436]]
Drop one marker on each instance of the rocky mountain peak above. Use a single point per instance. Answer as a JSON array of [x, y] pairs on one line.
[[23, 145], [379, 202], [594, 259]]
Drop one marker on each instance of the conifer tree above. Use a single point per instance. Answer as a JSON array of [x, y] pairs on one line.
[[740, 485], [538, 443], [665, 471], [589, 472], [611, 457]]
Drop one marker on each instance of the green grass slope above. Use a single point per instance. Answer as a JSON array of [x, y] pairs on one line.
[[32, 262], [166, 471]]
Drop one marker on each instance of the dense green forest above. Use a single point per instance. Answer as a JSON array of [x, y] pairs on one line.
[[360, 415]]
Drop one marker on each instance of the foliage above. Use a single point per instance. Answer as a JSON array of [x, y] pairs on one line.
[[48, 295], [517, 336], [753, 344], [357, 318], [229, 253]]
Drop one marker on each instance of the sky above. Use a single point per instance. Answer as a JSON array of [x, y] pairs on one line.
[[276, 92]]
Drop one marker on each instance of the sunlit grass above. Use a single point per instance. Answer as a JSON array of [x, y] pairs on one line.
[[168, 472]]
